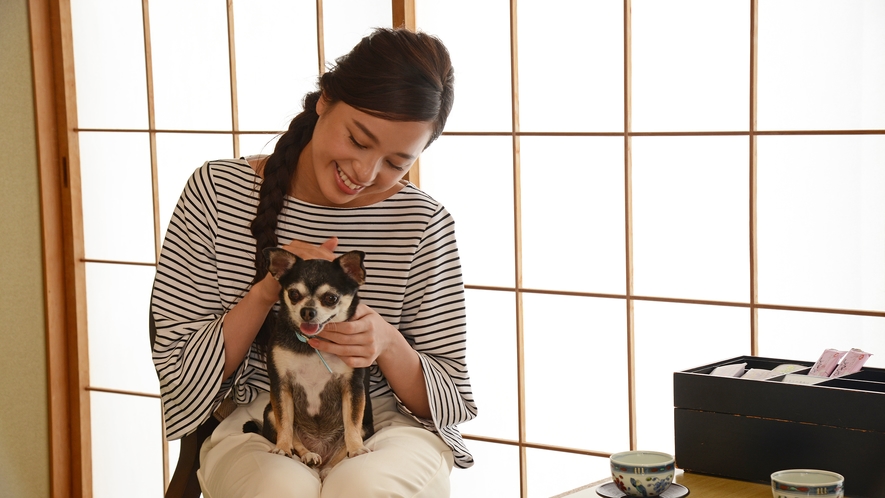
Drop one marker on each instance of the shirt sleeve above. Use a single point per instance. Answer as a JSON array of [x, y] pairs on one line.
[[434, 322], [188, 351]]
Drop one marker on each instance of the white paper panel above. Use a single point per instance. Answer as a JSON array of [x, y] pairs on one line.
[[251, 145], [118, 300], [691, 217], [798, 335], [821, 64], [276, 46], [575, 362], [345, 22], [127, 446], [495, 473], [117, 196], [191, 64], [552, 472], [573, 209], [491, 361], [479, 44], [473, 178], [110, 69], [571, 65], [821, 221], [691, 65]]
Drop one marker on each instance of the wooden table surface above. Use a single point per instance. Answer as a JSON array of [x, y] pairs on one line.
[[717, 487], [699, 486]]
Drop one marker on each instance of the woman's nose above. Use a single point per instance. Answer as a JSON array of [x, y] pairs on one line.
[[366, 170]]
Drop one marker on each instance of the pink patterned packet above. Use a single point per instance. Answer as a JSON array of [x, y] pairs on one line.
[[851, 363], [826, 363]]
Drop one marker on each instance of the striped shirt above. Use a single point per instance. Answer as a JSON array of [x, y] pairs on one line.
[[413, 280]]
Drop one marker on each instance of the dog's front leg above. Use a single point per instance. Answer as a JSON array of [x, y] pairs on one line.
[[288, 442], [353, 403], [283, 420]]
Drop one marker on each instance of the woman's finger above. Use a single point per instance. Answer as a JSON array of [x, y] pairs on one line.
[[309, 251]]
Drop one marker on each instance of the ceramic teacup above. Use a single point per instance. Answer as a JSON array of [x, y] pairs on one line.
[[642, 473], [798, 483]]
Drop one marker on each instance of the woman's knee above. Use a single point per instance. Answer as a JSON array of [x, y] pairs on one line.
[[404, 462], [248, 469]]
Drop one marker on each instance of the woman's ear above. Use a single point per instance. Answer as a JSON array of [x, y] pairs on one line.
[[322, 104]]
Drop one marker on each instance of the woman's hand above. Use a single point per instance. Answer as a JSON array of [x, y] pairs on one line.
[[303, 250], [368, 338], [359, 341]]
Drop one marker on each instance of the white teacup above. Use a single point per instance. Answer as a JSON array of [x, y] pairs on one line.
[[642, 473], [798, 483]]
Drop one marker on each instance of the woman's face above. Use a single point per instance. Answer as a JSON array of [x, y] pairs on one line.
[[356, 159]]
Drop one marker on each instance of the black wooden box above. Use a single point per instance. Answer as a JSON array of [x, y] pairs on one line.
[[746, 429]]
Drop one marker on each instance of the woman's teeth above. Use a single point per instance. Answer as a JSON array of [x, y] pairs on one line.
[[347, 181]]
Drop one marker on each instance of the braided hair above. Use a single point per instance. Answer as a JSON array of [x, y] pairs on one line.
[[278, 171]]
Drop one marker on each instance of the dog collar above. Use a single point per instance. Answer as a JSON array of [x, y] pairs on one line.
[[303, 339]]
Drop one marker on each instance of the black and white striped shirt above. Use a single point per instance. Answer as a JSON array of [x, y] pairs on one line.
[[413, 280]]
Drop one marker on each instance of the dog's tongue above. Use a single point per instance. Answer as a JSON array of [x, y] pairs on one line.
[[309, 328]]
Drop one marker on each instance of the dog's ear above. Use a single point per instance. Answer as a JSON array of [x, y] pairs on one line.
[[352, 264], [279, 261]]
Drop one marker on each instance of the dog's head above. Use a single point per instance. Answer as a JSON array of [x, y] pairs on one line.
[[315, 291]]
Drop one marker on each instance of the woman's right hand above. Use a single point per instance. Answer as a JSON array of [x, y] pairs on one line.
[[309, 251], [269, 288]]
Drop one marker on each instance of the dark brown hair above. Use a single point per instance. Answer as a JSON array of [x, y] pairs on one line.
[[393, 74]]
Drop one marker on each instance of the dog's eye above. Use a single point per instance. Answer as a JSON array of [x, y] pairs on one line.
[[294, 296], [330, 299]]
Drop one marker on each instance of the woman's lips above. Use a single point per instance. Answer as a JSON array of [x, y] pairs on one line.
[[345, 183]]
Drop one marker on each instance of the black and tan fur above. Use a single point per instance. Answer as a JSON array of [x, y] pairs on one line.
[[320, 416]]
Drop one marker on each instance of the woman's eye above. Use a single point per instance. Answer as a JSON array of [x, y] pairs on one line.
[[294, 296], [357, 144], [330, 300]]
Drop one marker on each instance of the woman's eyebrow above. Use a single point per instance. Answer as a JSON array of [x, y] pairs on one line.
[[371, 136]]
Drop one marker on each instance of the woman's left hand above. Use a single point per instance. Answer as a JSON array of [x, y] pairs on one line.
[[358, 342], [368, 338]]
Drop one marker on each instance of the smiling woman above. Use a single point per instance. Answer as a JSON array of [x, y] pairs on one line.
[[333, 183]]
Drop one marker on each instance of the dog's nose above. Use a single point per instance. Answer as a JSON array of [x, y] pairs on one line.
[[308, 314]]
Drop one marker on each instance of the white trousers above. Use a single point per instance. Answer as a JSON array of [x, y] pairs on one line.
[[406, 461]]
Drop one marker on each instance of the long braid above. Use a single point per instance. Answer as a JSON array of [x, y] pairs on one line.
[[278, 171]]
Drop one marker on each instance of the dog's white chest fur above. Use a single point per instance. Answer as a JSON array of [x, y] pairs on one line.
[[309, 372]]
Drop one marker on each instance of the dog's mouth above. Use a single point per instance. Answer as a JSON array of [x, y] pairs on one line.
[[312, 329]]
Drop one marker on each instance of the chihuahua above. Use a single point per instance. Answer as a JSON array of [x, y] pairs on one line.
[[319, 407]]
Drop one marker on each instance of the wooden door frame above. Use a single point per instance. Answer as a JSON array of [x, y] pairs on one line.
[[62, 232]]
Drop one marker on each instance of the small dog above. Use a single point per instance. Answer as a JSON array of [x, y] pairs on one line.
[[319, 407]]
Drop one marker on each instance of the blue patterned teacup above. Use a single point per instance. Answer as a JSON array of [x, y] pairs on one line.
[[798, 483], [642, 473]]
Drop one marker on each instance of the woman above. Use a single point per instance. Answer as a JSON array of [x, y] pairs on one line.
[[334, 183]]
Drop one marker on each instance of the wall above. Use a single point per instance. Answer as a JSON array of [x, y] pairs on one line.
[[24, 417]]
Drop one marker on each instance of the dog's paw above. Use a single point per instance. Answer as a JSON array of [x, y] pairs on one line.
[[311, 459], [281, 451], [362, 450]]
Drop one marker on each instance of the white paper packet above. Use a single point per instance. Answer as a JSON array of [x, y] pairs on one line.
[[734, 370]]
